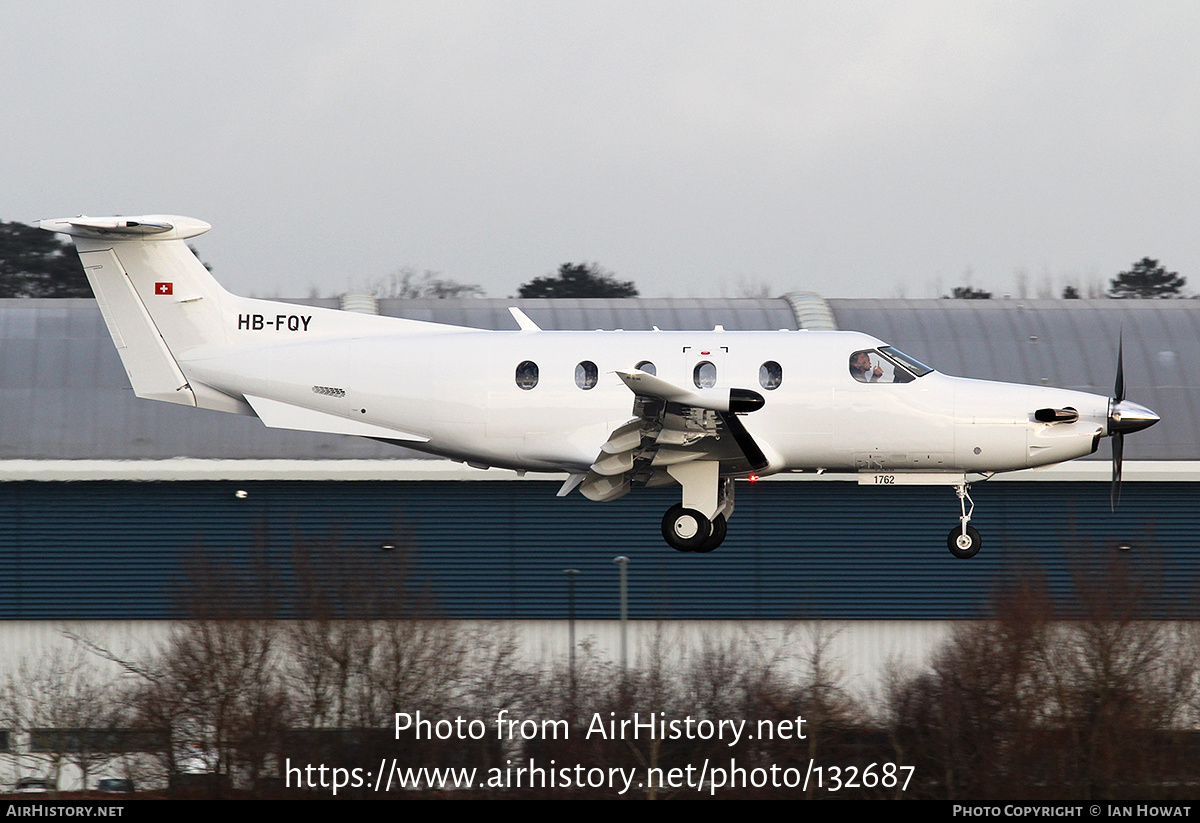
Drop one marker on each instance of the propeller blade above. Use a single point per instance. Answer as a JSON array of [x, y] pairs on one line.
[[1119, 387], [1118, 448]]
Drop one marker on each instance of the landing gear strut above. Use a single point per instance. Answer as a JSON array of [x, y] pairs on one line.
[[699, 523], [964, 541]]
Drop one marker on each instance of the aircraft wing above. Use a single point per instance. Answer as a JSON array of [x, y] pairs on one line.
[[672, 426]]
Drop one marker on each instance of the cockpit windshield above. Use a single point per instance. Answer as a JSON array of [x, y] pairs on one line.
[[914, 365], [886, 364]]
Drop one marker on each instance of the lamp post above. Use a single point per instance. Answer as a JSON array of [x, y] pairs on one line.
[[623, 562], [570, 573]]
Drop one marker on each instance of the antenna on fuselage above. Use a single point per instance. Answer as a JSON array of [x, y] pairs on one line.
[[523, 320]]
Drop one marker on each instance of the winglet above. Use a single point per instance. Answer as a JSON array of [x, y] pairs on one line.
[[523, 320]]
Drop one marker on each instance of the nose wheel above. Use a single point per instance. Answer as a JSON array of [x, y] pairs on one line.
[[963, 543], [964, 540]]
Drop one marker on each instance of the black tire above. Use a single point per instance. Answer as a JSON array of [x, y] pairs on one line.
[[719, 527], [685, 530], [969, 547]]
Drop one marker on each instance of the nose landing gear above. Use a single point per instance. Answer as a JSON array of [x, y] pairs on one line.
[[964, 541]]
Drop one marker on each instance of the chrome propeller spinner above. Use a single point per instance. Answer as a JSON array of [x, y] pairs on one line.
[[1123, 417]]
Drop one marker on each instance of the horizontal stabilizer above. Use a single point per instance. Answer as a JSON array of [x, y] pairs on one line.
[[151, 226], [278, 415]]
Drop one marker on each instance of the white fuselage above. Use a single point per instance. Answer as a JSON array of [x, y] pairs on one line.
[[458, 389]]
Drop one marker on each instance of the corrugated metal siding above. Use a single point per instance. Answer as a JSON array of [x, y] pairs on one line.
[[668, 313], [120, 550]]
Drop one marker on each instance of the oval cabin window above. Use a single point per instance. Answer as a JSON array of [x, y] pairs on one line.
[[704, 375], [586, 375], [647, 367], [527, 375], [770, 375]]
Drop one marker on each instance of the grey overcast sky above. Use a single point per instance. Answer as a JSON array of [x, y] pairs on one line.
[[854, 149]]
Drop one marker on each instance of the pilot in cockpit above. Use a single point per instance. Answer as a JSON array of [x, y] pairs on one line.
[[860, 368]]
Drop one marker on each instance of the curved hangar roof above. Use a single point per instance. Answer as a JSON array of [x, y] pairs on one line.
[[66, 396]]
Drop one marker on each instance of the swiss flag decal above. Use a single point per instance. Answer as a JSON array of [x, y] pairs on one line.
[[164, 288]]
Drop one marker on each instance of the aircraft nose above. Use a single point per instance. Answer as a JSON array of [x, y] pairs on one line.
[[1128, 417]]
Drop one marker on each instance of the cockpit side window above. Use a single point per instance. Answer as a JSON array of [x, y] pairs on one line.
[[864, 368], [886, 365]]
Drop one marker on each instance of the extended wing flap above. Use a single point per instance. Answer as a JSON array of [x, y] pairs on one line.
[[611, 476], [602, 488], [610, 464], [626, 438], [673, 428], [696, 425]]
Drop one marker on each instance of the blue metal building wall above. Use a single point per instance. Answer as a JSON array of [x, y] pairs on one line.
[[828, 550]]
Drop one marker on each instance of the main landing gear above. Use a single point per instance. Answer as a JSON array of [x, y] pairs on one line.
[[963, 540], [699, 523], [687, 530]]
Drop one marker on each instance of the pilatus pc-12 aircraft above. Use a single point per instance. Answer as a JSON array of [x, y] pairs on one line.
[[615, 410]]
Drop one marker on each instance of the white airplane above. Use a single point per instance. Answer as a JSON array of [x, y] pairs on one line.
[[707, 406]]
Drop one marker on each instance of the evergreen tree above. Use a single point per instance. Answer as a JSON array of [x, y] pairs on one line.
[[967, 293], [36, 263], [579, 280], [1146, 279]]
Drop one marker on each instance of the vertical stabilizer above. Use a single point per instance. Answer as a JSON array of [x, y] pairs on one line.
[[157, 299]]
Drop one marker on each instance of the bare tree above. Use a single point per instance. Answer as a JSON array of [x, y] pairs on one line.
[[407, 284], [969, 724], [64, 703], [1117, 679], [215, 685], [752, 288]]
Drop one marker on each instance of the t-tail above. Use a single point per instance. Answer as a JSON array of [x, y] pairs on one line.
[[165, 310], [157, 298]]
